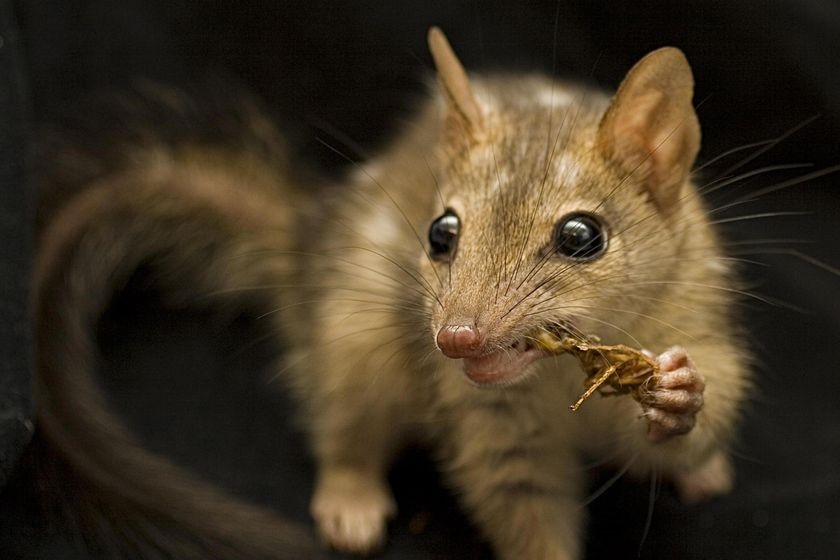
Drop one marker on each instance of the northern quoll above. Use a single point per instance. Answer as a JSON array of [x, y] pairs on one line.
[[510, 206]]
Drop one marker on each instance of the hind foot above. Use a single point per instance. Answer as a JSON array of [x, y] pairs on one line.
[[351, 510], [713, 478]]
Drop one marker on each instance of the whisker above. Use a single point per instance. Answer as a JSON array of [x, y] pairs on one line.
[[333, 300], [346, 287], [789, 183], [763, 299], [393, 202], [731, 151], [654, 490], [540, 263], [427, 288], [766, 241], [549, 160], [609, 483], [442, 209], [599, 321], [770, 145], [307, 355], [641, 163], [646, 298], [436, 182], [326, 126], [801, 256], [719, 184], [758, 216]]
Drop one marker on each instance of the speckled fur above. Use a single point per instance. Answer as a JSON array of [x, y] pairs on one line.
[[361, 301], [373, 376]]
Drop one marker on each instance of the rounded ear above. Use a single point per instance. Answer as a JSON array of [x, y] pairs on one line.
[[650, 129], [464, 118]]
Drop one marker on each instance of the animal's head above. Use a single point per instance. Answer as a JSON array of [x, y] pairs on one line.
[[561, 206]]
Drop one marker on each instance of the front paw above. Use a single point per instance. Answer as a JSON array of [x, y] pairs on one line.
[[672, 404], [351, 510]]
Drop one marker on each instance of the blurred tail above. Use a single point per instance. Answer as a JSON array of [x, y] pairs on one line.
[[181, 211]]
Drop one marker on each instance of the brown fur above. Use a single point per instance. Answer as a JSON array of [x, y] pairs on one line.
[[200, 217], [370, 369], [368, 300]]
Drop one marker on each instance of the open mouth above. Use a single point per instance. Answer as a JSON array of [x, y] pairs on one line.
[[508, 364], [502, 366]]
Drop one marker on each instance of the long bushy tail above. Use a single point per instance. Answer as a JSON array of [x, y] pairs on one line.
[[196, 216]]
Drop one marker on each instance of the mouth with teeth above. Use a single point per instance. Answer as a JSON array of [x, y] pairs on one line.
[[509, 364]]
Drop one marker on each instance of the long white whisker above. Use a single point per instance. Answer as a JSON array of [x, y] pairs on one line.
[[746, 175], [609, 483], [654, 490], [770, 145], [789, 183]]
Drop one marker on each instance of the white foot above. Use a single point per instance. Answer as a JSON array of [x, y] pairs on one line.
[[351, 510]]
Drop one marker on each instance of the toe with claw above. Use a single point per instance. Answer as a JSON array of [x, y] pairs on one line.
[[672, 404]]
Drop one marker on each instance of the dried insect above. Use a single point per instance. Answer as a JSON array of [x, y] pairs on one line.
[[611, 370]]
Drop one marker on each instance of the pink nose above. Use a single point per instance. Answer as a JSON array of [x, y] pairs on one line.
[[459, 341]]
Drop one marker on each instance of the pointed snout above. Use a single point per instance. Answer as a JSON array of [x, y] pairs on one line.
[[459, 341]]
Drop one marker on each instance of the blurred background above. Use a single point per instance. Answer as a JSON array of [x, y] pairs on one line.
[[349, 73]]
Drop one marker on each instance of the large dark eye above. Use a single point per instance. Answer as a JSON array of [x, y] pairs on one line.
[[443, 235], [580, 237]]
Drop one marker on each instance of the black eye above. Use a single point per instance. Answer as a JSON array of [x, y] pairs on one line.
[[580, 237], [443, 235]]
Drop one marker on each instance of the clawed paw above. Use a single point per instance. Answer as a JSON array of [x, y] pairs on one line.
[[673, 402]]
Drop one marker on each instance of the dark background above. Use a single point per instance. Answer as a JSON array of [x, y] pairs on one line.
[[349, 73]]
